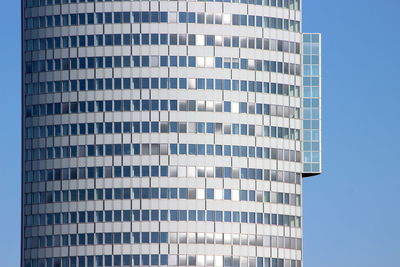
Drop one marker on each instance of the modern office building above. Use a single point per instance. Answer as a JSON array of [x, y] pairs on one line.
[[172, 133]]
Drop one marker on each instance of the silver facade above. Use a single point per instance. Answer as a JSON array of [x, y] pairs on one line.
[[165, 133]]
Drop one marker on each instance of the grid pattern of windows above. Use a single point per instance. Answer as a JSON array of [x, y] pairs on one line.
[[165, 133], [312, 103]]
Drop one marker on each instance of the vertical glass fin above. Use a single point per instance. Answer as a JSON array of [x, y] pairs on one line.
[[312, 147]]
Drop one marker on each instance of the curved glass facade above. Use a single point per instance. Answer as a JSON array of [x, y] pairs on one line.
[[164, 133]]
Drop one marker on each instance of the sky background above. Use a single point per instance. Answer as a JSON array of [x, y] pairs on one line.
[[351, 212]]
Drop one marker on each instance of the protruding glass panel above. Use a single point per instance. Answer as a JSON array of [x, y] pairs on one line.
[[312, 160]]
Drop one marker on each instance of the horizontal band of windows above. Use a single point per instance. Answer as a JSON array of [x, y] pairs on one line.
[[162, 237], [66, 64], [161, 215], [161, 260], [42, 22], [161, 83], [291, 4], [161, 105], [161, 127], [161, 171], [161, 39], [161, 193], [101, 150]]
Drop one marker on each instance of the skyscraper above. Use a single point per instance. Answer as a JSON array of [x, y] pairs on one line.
[[167, 132]]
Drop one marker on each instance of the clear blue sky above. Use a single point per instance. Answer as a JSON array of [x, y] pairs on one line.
[[351, 212]]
